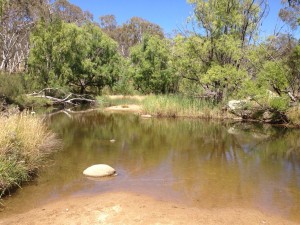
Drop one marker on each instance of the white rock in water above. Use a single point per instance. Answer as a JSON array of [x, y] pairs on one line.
[[99, 170]]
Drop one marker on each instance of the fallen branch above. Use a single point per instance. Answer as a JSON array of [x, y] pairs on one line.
[[71, 99]]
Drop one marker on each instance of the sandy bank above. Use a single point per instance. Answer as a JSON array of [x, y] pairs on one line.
[[127, 208], [125, 108]]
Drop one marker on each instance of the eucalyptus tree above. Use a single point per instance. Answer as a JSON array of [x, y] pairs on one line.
[[129, 33], [83, 59], [17, 19], [225, 29], [290, 13], [151, 66], [71, 13]]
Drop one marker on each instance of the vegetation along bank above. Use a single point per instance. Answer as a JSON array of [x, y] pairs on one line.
[[25, 141], [54, 53], [225, 57]]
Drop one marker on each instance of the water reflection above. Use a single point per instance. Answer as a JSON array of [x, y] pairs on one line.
[[207, 164]]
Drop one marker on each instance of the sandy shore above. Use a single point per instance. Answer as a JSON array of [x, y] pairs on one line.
[[125, 108], [128, 208]]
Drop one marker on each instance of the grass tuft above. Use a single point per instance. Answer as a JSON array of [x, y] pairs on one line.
[[25, 141]]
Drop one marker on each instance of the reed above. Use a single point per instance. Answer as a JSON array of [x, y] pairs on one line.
[[182, 106]]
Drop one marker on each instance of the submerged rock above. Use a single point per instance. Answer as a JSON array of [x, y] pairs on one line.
[[99, 170]]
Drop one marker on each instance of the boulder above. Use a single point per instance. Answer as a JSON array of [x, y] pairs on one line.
[[99, 170], [236, 104]]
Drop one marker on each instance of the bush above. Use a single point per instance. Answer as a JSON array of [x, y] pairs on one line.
[[279, 103], [32, 102], [124, 87], [11, 85]]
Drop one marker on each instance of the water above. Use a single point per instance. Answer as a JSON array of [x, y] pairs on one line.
[[197, 162]]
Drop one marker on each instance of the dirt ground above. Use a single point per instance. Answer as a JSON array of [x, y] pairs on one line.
[[136, 97], [128, 208], [128, 107]]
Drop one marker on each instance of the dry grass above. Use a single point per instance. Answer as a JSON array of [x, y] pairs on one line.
[[293, 115], [24, 142]]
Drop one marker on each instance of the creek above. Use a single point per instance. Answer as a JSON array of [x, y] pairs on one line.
[[206, 164]]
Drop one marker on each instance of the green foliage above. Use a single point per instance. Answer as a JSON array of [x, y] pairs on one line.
[[224, 79], [279, 103], [152, 72], [82, 58], [124, 86], [32, 102], [188, 62], [274, 74], [12, 173], [11, 85]]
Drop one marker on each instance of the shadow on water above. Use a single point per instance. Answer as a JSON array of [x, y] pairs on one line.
[[205, 164]]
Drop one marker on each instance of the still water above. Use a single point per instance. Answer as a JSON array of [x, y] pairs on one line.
[[201, 163]]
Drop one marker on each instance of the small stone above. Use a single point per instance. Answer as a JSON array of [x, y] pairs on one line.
[[99, 170]]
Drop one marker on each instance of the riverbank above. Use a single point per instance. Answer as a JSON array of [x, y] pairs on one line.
[[25, 141], [165, 106], [129, 208], [181, 106]]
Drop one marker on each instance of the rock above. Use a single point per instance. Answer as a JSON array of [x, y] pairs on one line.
[[146, 116], [267, 116], [233, 131], [236, 104], [99, 170]]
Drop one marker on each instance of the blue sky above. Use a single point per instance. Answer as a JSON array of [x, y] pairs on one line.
[[169, 14]]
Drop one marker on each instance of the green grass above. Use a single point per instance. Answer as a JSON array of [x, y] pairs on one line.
[[181, 106], [170, 106], [25, 141]]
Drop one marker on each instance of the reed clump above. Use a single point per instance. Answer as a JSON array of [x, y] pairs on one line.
[[25, 141], [182, 106]]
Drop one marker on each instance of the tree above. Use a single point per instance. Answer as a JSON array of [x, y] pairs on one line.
[[130, 33], [290, 13], [16, 21], [103, 63], [108, 23], [215, 54], [152, 71], [82, 58], [239, 18], [71, 13]]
